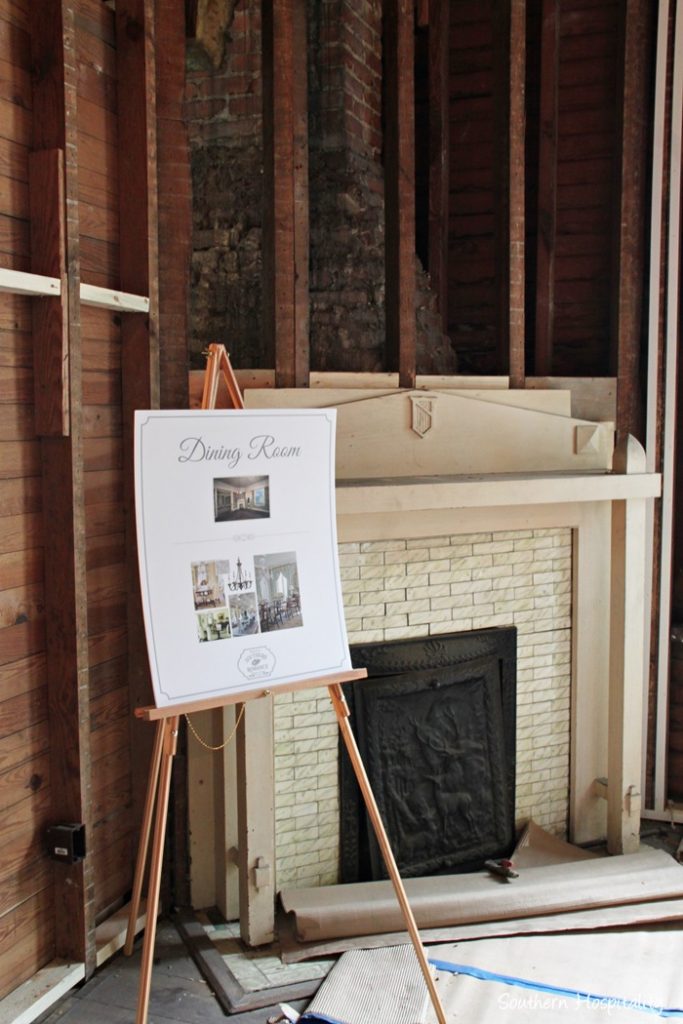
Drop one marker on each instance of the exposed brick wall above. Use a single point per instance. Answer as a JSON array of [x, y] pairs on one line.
[[346, 69], [223, 106], [224, 115], [415, 588]]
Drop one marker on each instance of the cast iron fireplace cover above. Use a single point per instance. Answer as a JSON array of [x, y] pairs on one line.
[[435, 723]]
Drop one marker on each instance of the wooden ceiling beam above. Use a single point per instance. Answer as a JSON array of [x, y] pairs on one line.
[[399, 190], [286, 223]]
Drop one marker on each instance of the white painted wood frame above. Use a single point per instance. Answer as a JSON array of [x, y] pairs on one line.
[[671, 356]]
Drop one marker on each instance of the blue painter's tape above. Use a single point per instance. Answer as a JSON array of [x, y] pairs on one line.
[[585, 997], [318, 1018]]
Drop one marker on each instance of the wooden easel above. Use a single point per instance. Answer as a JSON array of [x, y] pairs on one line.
[[165, 746]]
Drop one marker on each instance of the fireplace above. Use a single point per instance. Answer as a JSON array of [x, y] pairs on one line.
[[507, 512], [435, 723]]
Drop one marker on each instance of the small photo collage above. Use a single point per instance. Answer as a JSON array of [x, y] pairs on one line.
[[244, 596]]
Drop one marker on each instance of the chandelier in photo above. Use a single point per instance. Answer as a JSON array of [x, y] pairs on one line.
[[240, 581]]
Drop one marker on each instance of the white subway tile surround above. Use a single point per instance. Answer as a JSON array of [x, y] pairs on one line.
[[396, 589]]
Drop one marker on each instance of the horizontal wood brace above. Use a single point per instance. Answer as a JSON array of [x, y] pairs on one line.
[[20, 282]]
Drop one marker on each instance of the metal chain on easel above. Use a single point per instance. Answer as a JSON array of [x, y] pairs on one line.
[[221, 746]]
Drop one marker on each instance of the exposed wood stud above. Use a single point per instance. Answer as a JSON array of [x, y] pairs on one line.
[[629, 227], [439, 162], [175, 204], [547, 188], [399, 188], [286, 226], [423, 12], [138, 249], [517, 126], [53, 59], [509, 100]]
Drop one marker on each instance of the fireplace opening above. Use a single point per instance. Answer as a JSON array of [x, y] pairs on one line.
[[435, 724]]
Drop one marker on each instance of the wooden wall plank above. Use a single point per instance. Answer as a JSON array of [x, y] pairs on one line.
[[27, 937], [22, 823], [28, 742], [399, 190]]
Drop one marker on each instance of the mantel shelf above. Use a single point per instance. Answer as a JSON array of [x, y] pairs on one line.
[[421, 493]]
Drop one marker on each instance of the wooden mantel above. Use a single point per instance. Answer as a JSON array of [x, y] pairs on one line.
[[579, 481]]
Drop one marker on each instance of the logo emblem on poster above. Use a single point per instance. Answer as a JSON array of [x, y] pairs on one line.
[[256, 663]]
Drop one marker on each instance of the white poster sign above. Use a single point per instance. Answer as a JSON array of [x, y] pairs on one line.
[[237, 547]]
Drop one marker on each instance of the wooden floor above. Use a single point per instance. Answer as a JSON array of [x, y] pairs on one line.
[[179, 994]]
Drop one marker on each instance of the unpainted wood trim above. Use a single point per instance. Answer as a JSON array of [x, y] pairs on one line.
[[109, 298], [19, 282]]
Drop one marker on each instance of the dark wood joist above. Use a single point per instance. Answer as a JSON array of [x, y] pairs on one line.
[[286, 221], [510, 70], [630, 215], [138, 254], [547, 189], [399, 189], [175, 204], [53, 62], [175, 255], [439, 163]]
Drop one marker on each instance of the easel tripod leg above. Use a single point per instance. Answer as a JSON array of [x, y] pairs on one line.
[[169, 742], [342, 712], [145, 832]]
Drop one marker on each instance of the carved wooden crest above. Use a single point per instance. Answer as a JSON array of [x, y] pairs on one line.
[[423, 413]]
